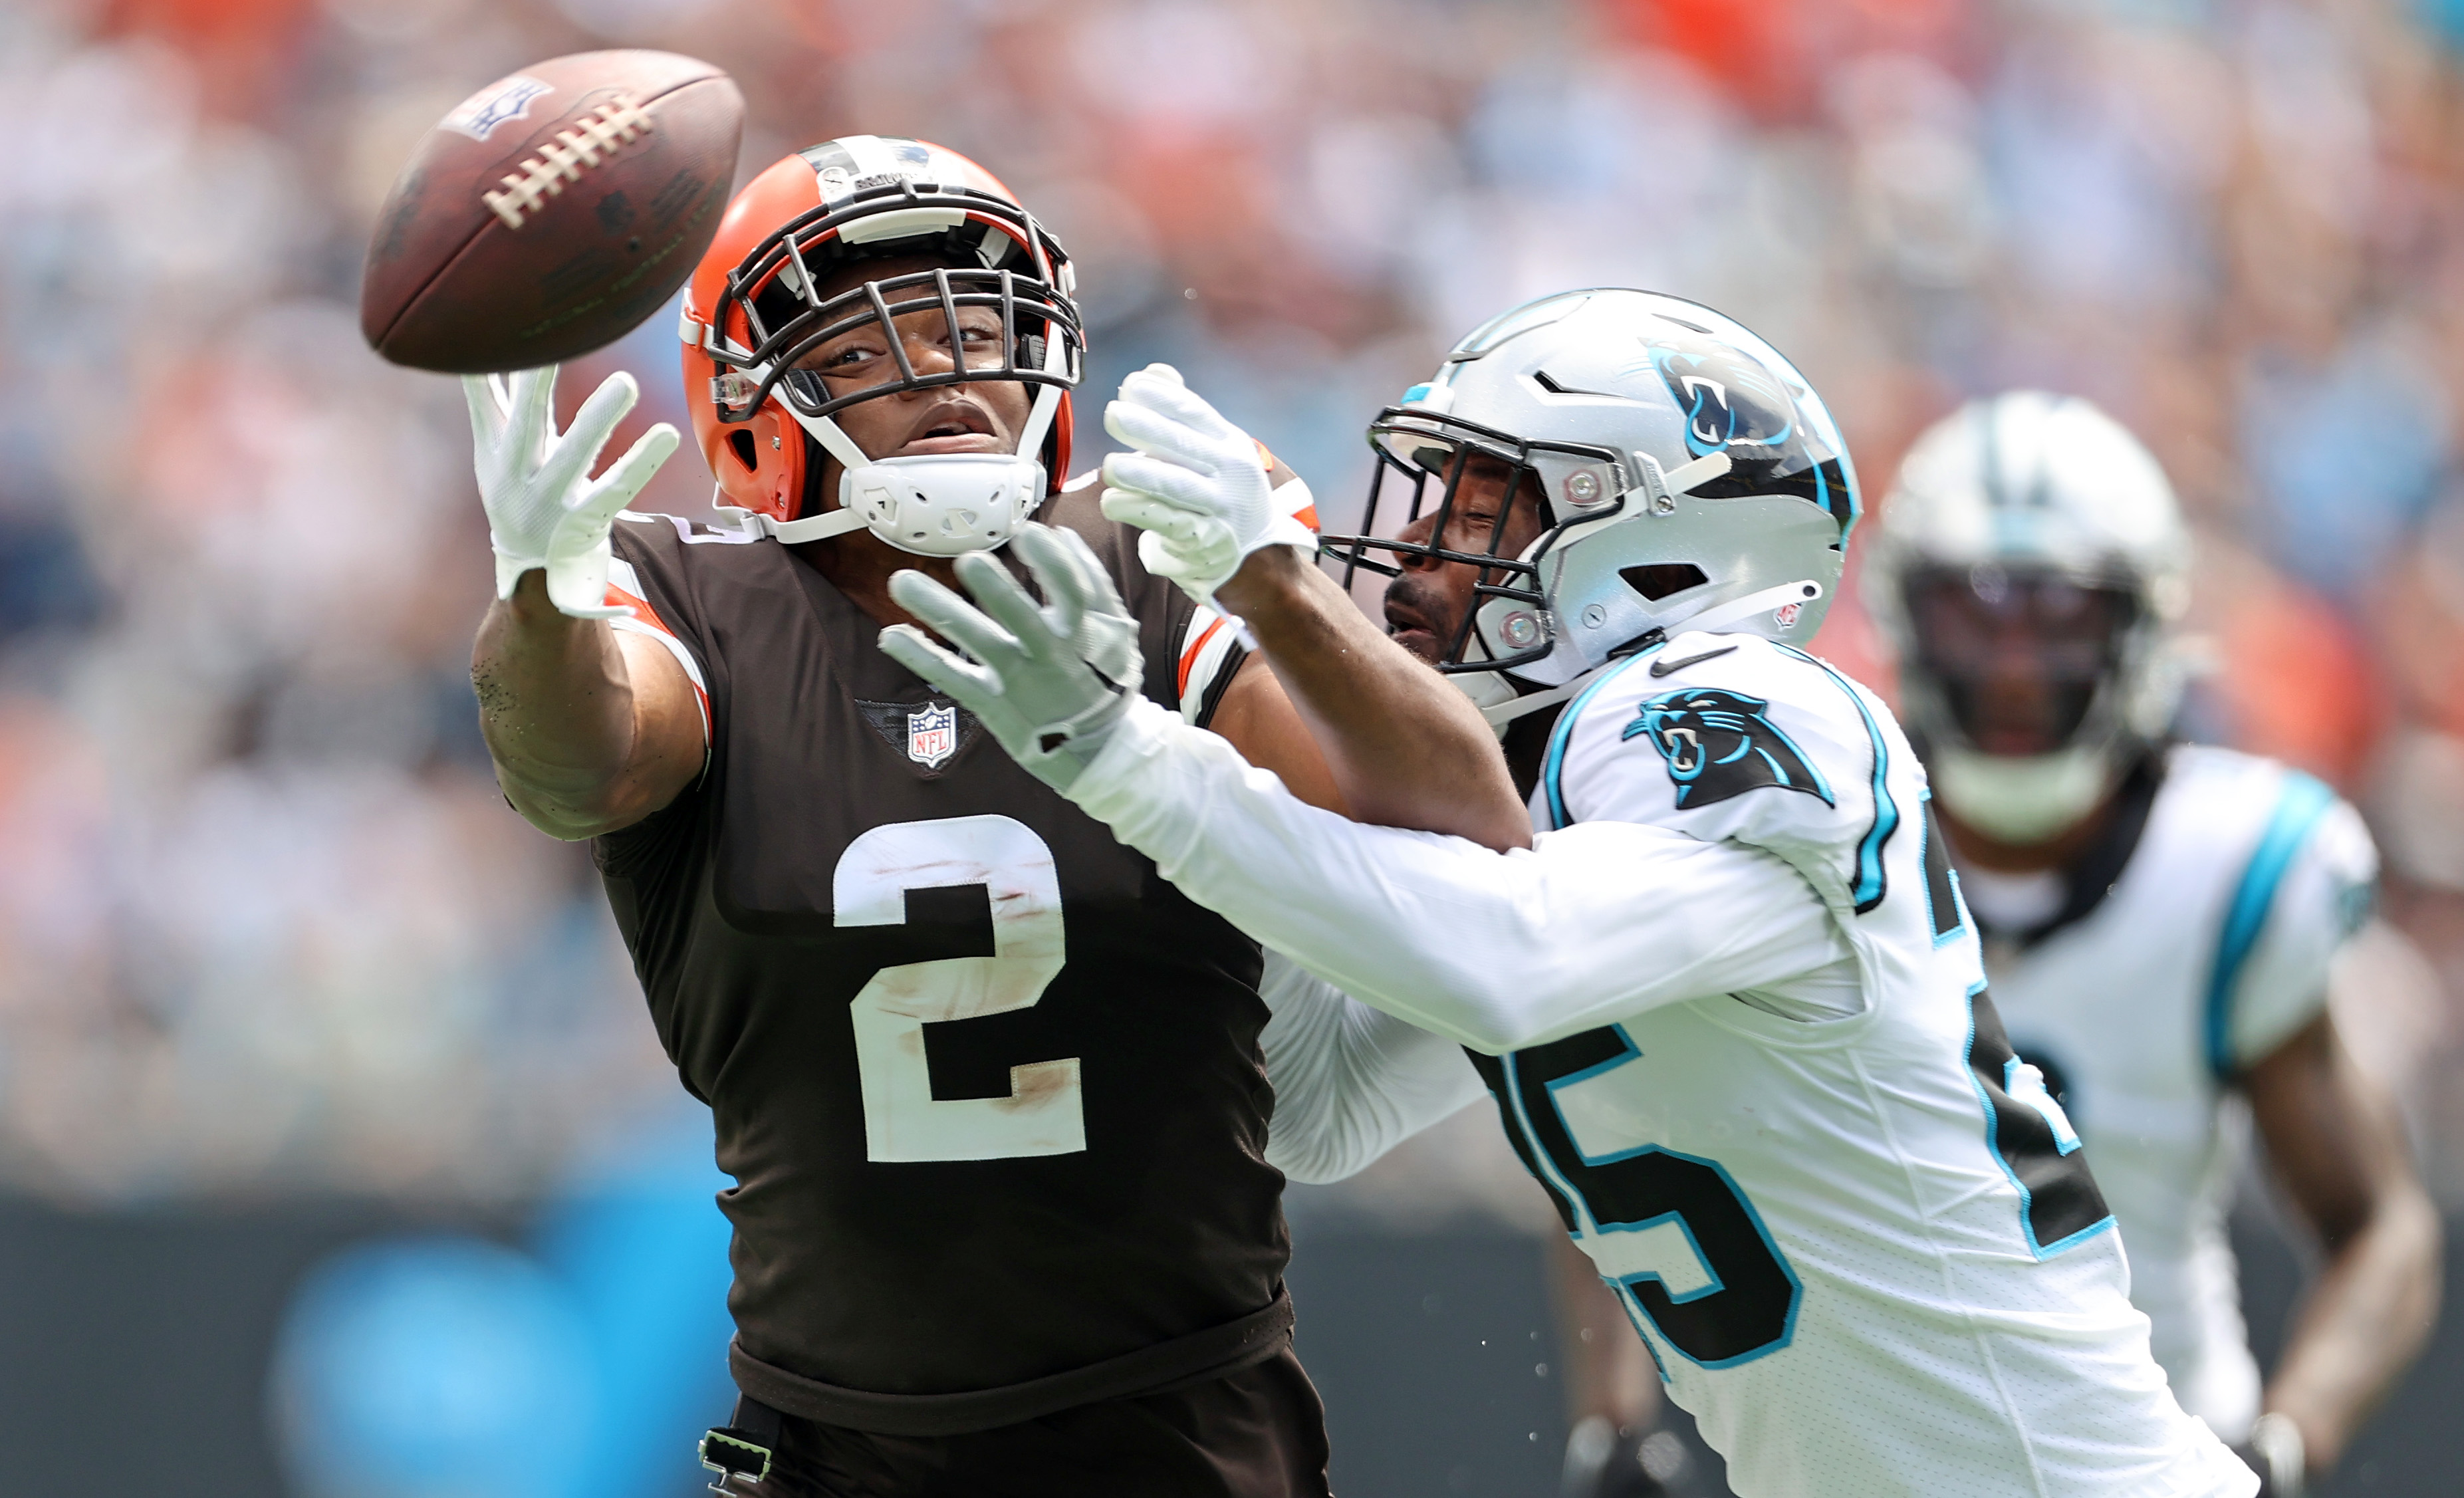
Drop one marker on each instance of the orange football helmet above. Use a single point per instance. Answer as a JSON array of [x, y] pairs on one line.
[[752, 309]]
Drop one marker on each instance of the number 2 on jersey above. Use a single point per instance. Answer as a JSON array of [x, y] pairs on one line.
[[903, 1121], [1672, 1230]]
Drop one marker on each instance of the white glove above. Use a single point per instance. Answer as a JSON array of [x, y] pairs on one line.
[[1197, 485], [545, 510], [1029, 680]]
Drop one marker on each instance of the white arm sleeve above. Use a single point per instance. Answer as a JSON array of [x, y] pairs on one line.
[[1350, 1083], [1596, 923]]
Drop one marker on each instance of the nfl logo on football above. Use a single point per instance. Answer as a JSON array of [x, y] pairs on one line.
[[932, 734]]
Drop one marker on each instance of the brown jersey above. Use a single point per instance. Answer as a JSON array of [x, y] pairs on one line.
[[989, 1088]]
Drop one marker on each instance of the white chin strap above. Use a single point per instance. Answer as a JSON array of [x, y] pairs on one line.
[[1501, 711], [1492, 694], [2021, 799], [940, 504]]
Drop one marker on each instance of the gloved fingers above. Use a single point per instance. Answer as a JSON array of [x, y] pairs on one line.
[[1009, 604], [625, 478], [974, 686], [1096, 582], [1055, 568], [1196, 570], [1160, 389], [488, 409], [1196, 573], [576, 453], [1159, 480], [955, 619], [1175, 525], [1157, 433], [530, 412]]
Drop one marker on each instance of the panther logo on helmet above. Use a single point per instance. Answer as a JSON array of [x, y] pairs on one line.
[[1729, 402], [1678, 467], [1720, 744]]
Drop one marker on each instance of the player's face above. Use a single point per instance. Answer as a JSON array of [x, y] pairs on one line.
[[978, 416], [1426, 602], [2018, 652]]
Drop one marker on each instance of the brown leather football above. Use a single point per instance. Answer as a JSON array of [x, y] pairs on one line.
[[551, 211]]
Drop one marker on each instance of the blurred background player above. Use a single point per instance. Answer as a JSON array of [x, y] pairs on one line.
[[990, 1092], [2162, 920]]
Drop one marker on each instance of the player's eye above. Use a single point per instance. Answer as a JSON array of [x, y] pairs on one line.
[[979, 342], [844, 358]]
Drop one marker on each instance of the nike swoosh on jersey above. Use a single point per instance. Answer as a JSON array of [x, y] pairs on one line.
[[1671, 668]]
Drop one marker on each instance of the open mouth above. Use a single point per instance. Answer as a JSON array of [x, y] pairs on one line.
[[1407, 627], [955, 425]]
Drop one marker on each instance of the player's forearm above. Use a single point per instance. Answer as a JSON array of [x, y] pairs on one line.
[[1351, 1083], [1405, 749], [1496, 951], [556, 709], [2366, 1320]]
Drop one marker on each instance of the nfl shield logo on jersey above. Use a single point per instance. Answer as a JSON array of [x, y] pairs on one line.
[[932, 734]]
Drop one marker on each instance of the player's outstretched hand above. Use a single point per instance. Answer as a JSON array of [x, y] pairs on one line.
[[1197, 485], [545, 510], [1026, 671]]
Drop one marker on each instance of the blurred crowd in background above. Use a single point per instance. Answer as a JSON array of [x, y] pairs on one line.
[[267, 927]]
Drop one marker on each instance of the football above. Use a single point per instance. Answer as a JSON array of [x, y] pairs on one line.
[[551, 212]]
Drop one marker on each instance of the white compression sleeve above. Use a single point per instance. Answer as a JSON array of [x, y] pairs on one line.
[[1595, 923], [1350, 1083]]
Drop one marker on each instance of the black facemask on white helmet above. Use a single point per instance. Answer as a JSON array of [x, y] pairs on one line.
[[1683, 473], [2029, 568]]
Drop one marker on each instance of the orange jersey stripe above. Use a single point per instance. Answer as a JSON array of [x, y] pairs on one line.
[[644, 613], [1189, 657]]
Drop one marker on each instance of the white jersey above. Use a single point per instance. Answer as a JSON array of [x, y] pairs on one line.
[[1732, 1013], [2209, 950]]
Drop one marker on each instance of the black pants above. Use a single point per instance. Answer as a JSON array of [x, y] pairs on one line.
[[1258, 1433]]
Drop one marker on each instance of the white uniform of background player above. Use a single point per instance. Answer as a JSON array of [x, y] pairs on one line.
[[1729, 1007], [2211, 949], [2165, 917]]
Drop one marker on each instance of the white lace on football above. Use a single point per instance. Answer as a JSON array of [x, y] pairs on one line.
[[561, 160]]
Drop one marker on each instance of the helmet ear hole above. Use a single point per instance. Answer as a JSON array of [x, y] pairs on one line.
[[741, 444], [1661, 580]]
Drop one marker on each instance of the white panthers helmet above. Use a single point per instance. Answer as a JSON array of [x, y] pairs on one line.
[[2032, 510], [1687, 475]]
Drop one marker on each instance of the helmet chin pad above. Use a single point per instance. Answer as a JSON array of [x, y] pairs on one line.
[[944, 504], [2017, 799], [933, 504]]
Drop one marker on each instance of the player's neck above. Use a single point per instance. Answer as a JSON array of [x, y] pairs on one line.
[[1984, 850], [860, 565]]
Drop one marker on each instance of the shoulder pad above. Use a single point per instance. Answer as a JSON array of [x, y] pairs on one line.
[[1729, 736]]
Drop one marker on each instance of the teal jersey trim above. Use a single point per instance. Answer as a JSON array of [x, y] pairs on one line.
[[1553, 766], [2299, 808], [1873, 882]]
